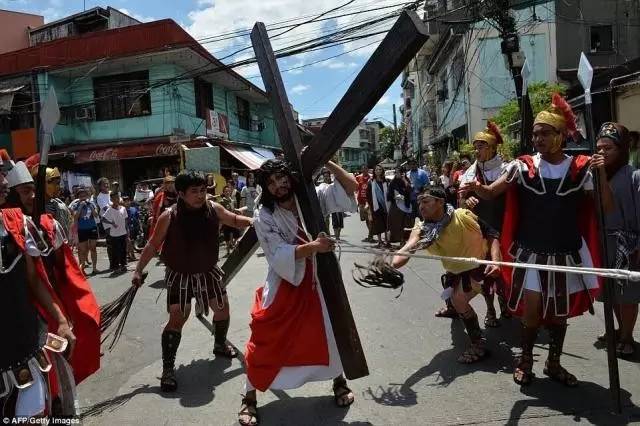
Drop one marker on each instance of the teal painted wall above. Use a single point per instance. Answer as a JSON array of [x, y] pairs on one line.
[[172, 106], [497, 86]]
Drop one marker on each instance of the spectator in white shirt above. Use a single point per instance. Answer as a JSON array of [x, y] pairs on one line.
[[116, 217]]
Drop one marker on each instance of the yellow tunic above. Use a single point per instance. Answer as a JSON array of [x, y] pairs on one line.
[[460, 238]]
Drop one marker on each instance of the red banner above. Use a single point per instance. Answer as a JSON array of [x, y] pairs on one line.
[[125, 152]]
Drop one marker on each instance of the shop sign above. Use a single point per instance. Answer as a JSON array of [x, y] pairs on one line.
[[132, 151]]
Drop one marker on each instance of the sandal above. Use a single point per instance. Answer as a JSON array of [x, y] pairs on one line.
[[490, 320], [474, 353], [557, 372], [248, 409], [226, 351], [340, 391], [523, 374], [168, 382], [603, 337], [446, 312], [625, 350]]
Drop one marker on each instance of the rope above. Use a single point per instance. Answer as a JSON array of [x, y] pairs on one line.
[[621, 274]]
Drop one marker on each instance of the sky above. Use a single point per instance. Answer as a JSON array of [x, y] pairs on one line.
[[313, 90]]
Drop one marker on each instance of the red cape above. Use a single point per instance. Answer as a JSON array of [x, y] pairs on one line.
[[578, 302], [72, 293], [79, 303], [288, 333], [156, 210]]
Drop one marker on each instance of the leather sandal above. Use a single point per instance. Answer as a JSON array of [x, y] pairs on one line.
[[248, 409], [168, 382], [340, 390], [523, 374], [557, 372]]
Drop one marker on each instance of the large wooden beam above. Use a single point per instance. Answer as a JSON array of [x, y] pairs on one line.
[[247, 245], [394, 53], [335, 296]]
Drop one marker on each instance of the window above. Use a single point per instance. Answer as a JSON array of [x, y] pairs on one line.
[[122, 96], [457, 71], [443, 88], [244, 118], [204, 97], [601, 38]]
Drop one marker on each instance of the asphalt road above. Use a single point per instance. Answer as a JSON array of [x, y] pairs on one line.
[[414, 377]]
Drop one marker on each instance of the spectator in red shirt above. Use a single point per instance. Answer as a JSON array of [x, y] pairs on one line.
[[363, 208], [463, 165]]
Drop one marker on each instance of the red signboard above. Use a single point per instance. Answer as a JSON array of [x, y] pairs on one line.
[[124, 152]]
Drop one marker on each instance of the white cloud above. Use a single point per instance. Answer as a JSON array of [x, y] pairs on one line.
[[137, 16], [51, 14], [383, 101], [223, 16], [335, 64], [299, 89]]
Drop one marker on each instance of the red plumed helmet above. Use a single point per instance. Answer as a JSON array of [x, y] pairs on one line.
[[32, 162], [495, 130], [4, 156], [561, 106]]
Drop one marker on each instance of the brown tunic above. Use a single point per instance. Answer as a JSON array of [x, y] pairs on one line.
[[191, 245]]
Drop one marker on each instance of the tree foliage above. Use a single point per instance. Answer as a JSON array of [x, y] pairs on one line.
[[389, 139], [540, 96]]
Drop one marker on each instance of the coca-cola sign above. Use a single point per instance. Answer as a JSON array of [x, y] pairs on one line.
[[124, 152], [109, 154], [168, 149]]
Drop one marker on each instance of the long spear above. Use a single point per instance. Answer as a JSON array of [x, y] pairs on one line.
[[49, 117], [585, 75]]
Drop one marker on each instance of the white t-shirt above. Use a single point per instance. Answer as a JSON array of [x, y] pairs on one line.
[[103, 200], [119, 218], [142, 195]]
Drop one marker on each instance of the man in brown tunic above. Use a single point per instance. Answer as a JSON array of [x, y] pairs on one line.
[[188, 234]]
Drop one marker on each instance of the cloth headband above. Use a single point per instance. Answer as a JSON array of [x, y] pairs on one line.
[[609, 130]]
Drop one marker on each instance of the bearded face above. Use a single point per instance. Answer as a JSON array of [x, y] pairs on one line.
[[279, 186]]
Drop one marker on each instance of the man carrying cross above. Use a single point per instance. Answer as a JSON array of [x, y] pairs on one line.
[[291, 341]]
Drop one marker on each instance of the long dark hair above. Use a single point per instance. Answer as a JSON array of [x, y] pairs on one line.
[[265, 171]]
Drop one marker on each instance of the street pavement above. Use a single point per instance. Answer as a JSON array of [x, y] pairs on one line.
[[414, 377]]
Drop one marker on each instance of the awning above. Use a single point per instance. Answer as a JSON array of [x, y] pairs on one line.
[[266, 153], [245, 155], [6, 98]]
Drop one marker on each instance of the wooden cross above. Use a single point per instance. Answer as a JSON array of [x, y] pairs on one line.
[[401, 44]]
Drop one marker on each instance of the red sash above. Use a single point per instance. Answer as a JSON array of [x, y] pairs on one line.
[[79, 304], [290, 332]]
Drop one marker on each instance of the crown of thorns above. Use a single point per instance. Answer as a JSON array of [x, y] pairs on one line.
[[271, 167]]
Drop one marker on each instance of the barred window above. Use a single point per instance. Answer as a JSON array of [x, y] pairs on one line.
[[122, 96]]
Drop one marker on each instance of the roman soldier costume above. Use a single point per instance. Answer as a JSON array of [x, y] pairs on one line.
[[31, 361], [549, 220], [490, 212]]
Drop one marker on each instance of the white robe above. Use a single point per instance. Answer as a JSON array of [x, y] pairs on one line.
[[277, 233]]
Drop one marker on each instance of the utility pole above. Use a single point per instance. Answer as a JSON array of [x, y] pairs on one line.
[[397, 151], [499, 12]]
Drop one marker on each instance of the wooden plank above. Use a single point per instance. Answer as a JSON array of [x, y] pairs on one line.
[[394, 53], [343, 324], [247, 245]]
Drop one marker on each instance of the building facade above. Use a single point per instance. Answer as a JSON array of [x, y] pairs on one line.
[[361, 146], [460, 79], [15, 29], [129, 98]]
